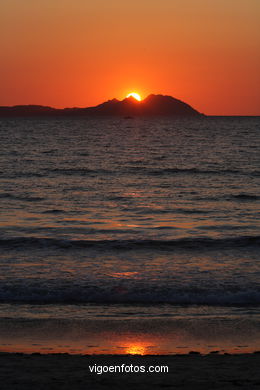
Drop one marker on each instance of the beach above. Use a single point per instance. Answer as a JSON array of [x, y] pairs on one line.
[[64, 371]]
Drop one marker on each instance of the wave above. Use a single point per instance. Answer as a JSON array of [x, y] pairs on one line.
[[237, 197], [167, 171], [245, 197], [154, 211], [54, 211], [138, 170], [182, 243], [7, 195], [72, 294], [78, 171], [22, 175], [233, 197], [148, 171]]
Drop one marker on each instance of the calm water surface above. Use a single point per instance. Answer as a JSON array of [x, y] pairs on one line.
[[156, 218]]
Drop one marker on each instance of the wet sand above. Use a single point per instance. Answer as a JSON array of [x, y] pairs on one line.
[[193, 371]]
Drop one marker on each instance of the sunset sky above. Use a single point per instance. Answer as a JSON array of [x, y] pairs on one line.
[[66, 53]]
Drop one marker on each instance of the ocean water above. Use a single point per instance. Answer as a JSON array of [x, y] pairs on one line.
[[133, 221]]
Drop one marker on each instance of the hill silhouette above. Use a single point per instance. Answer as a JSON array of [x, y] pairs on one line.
[[152, 105]]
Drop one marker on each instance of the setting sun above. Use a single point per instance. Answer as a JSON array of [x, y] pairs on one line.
[[135, 349], [134, 95]]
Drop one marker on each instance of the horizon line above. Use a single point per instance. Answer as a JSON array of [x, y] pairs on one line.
[[121, 100]]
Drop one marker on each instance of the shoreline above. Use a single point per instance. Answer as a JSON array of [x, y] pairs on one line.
[[190, 371]]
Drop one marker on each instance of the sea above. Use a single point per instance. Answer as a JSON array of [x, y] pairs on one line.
[[130, 235]]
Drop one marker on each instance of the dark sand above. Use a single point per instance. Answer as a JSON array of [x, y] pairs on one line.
[[61, 371]]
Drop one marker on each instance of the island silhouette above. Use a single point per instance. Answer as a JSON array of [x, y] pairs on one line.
[[152, 105]]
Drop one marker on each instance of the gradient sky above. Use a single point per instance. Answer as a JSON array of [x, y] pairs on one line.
[[66, 53]]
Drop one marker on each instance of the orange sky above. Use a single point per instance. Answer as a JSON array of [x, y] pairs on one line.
[[67, 53]]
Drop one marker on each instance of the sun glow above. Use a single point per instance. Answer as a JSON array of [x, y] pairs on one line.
[[135, 95], [135, 349]]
